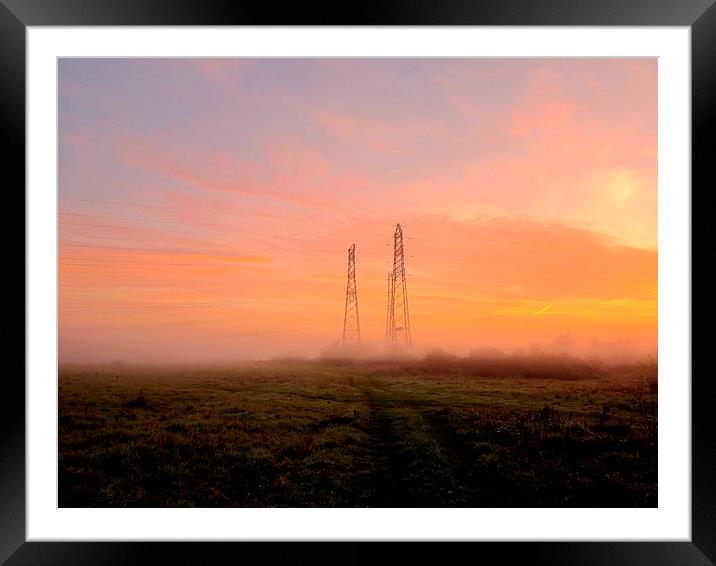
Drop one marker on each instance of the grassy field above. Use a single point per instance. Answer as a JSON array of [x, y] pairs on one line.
[[318, 434]]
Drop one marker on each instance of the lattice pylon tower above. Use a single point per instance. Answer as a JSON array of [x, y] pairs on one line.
[[398, 333], [389, 318], [351, 319]]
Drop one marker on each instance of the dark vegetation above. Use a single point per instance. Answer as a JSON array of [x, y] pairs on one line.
[[444, 431]]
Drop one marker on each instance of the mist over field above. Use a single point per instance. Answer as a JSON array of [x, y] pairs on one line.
[[147, 352]]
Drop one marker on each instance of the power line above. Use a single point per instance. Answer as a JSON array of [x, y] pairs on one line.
[[132, 219], [231, 228], [151, 250], [147, 205], [146, 305], [115, 227], [130, 239]]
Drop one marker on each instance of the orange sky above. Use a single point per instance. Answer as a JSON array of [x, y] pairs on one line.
[[206, 206]]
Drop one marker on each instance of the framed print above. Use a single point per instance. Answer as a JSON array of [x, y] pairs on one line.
[[423, 275]]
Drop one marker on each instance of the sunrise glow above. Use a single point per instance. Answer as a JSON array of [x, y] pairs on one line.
[[206, 206]]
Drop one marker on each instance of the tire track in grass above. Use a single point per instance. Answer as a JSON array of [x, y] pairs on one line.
[[409, 468], [375, 481]]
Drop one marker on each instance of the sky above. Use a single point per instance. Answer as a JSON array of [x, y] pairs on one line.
[[206, 206]]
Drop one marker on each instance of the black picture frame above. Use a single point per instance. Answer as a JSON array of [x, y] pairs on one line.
[[16, 15]]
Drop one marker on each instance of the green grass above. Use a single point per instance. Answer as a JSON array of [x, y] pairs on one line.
[[299, 434]]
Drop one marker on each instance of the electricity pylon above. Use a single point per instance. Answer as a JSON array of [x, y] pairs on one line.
[[351, 320], [398, 321], [389, 316]]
